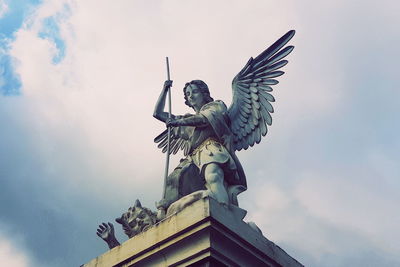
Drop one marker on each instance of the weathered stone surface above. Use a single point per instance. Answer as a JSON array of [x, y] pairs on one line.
[[205, 233]]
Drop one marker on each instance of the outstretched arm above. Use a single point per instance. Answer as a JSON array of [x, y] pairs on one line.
[[192, 120], [159, 112]]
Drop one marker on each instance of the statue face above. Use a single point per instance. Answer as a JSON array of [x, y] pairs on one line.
[[136, 220], [140, 220], [194, 96]]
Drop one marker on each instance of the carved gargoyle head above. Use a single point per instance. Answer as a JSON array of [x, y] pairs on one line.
[[137, 219]]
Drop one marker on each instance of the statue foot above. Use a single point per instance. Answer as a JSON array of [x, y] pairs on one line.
[[182, 203], [161, 214]]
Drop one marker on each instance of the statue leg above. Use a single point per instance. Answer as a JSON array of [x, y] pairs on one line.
[[214, 176]]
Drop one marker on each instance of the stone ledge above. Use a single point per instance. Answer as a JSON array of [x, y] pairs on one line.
[[203, 234]]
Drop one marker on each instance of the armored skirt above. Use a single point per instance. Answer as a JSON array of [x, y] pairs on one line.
[[211, 151]]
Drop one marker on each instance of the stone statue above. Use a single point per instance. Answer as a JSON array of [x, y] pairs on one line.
[[210, 136], [136, 220]]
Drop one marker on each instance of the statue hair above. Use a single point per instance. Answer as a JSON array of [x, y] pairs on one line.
[[203, 87]]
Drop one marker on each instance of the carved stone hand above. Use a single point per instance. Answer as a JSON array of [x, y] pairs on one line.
[[106, 232]]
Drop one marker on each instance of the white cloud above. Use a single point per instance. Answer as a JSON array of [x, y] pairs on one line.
[[10, 255], [349, 202], [325, 218]]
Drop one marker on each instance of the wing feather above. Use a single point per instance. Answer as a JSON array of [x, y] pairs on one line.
[[244, 85], [257, 106], [250, 111], [269, 68], [254, 96], [268, 96], [242, 118], [265, 104], [265, 88], [177, 146], [243, 112], [270, 82], [245, 108], [286, 51], [161, 136], [263, 127], [257, 135], [176, 142], [247, 66], [273, 74], [260, 59], [251, 139]]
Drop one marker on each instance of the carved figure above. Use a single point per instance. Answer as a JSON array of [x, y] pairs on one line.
[[210, 136], [136, 220]]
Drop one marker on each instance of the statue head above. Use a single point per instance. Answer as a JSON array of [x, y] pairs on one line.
[[136, 220], [202, 86]]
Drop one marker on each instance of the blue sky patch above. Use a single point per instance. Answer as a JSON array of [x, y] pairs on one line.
[[10, 82], [11, 21], [18, 10], [51, 31]]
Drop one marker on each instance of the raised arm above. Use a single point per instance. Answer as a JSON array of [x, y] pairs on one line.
[[159, 112]]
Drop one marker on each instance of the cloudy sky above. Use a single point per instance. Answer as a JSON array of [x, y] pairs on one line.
[[78, 83]]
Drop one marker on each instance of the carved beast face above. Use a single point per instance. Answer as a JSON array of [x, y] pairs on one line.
[[136, 220]]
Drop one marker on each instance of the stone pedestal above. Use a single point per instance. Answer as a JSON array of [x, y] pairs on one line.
[[203, 234]]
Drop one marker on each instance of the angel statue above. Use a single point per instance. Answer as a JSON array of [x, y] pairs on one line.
[[210, 136]]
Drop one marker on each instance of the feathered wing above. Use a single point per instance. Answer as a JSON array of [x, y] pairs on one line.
[[250, 111], [176, 142]]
